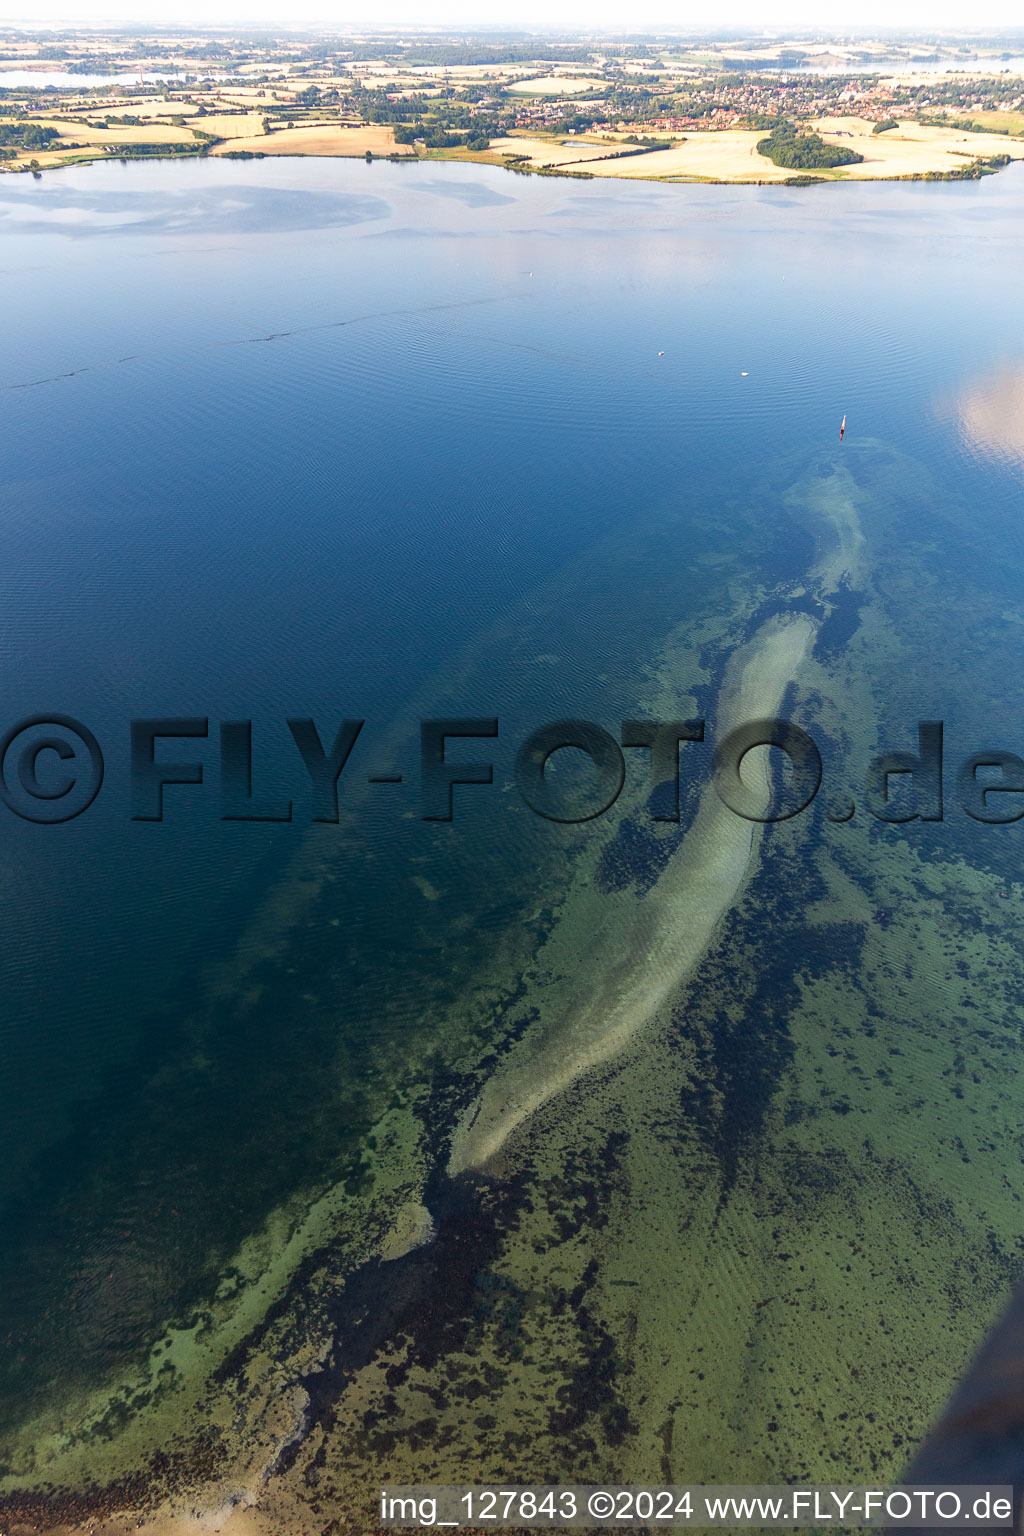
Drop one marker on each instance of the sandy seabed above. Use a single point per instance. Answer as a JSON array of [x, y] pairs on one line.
[[734, 1213]]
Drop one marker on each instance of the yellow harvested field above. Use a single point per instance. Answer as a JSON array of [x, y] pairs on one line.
[[149, 133], [726, 156], [552, 151], [147, 109], [557, 85], [320, 139], [400, 79], [240, 125], [1006, 122], [731, 155], [242, 95], [476, 72], [43, 159], [911, 149]]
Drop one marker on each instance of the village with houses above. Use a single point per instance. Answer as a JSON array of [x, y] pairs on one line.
[[664, 109]]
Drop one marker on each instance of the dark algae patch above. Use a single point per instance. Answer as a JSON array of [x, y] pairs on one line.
[[841, 624]]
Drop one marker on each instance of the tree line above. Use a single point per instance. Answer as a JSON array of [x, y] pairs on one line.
[[795, 151]]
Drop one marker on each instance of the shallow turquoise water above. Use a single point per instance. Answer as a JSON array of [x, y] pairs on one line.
[[328, 439]]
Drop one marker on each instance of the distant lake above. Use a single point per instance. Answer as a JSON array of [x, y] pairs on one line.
[[63, 80], [899, 66], [311, 439]]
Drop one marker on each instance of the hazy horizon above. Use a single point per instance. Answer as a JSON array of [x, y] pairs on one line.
[[999, 17]]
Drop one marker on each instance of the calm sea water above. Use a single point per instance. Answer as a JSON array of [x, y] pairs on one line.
[[903, 65], [301, 438]]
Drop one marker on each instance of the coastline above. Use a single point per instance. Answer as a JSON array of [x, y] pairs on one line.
[[726, 157], [687, 1127]]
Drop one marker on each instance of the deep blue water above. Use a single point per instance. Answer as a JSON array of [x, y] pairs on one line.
[[296, 438]]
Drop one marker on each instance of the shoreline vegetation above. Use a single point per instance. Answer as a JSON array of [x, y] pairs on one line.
[[805, 151], [661, 109], [804, 171]]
